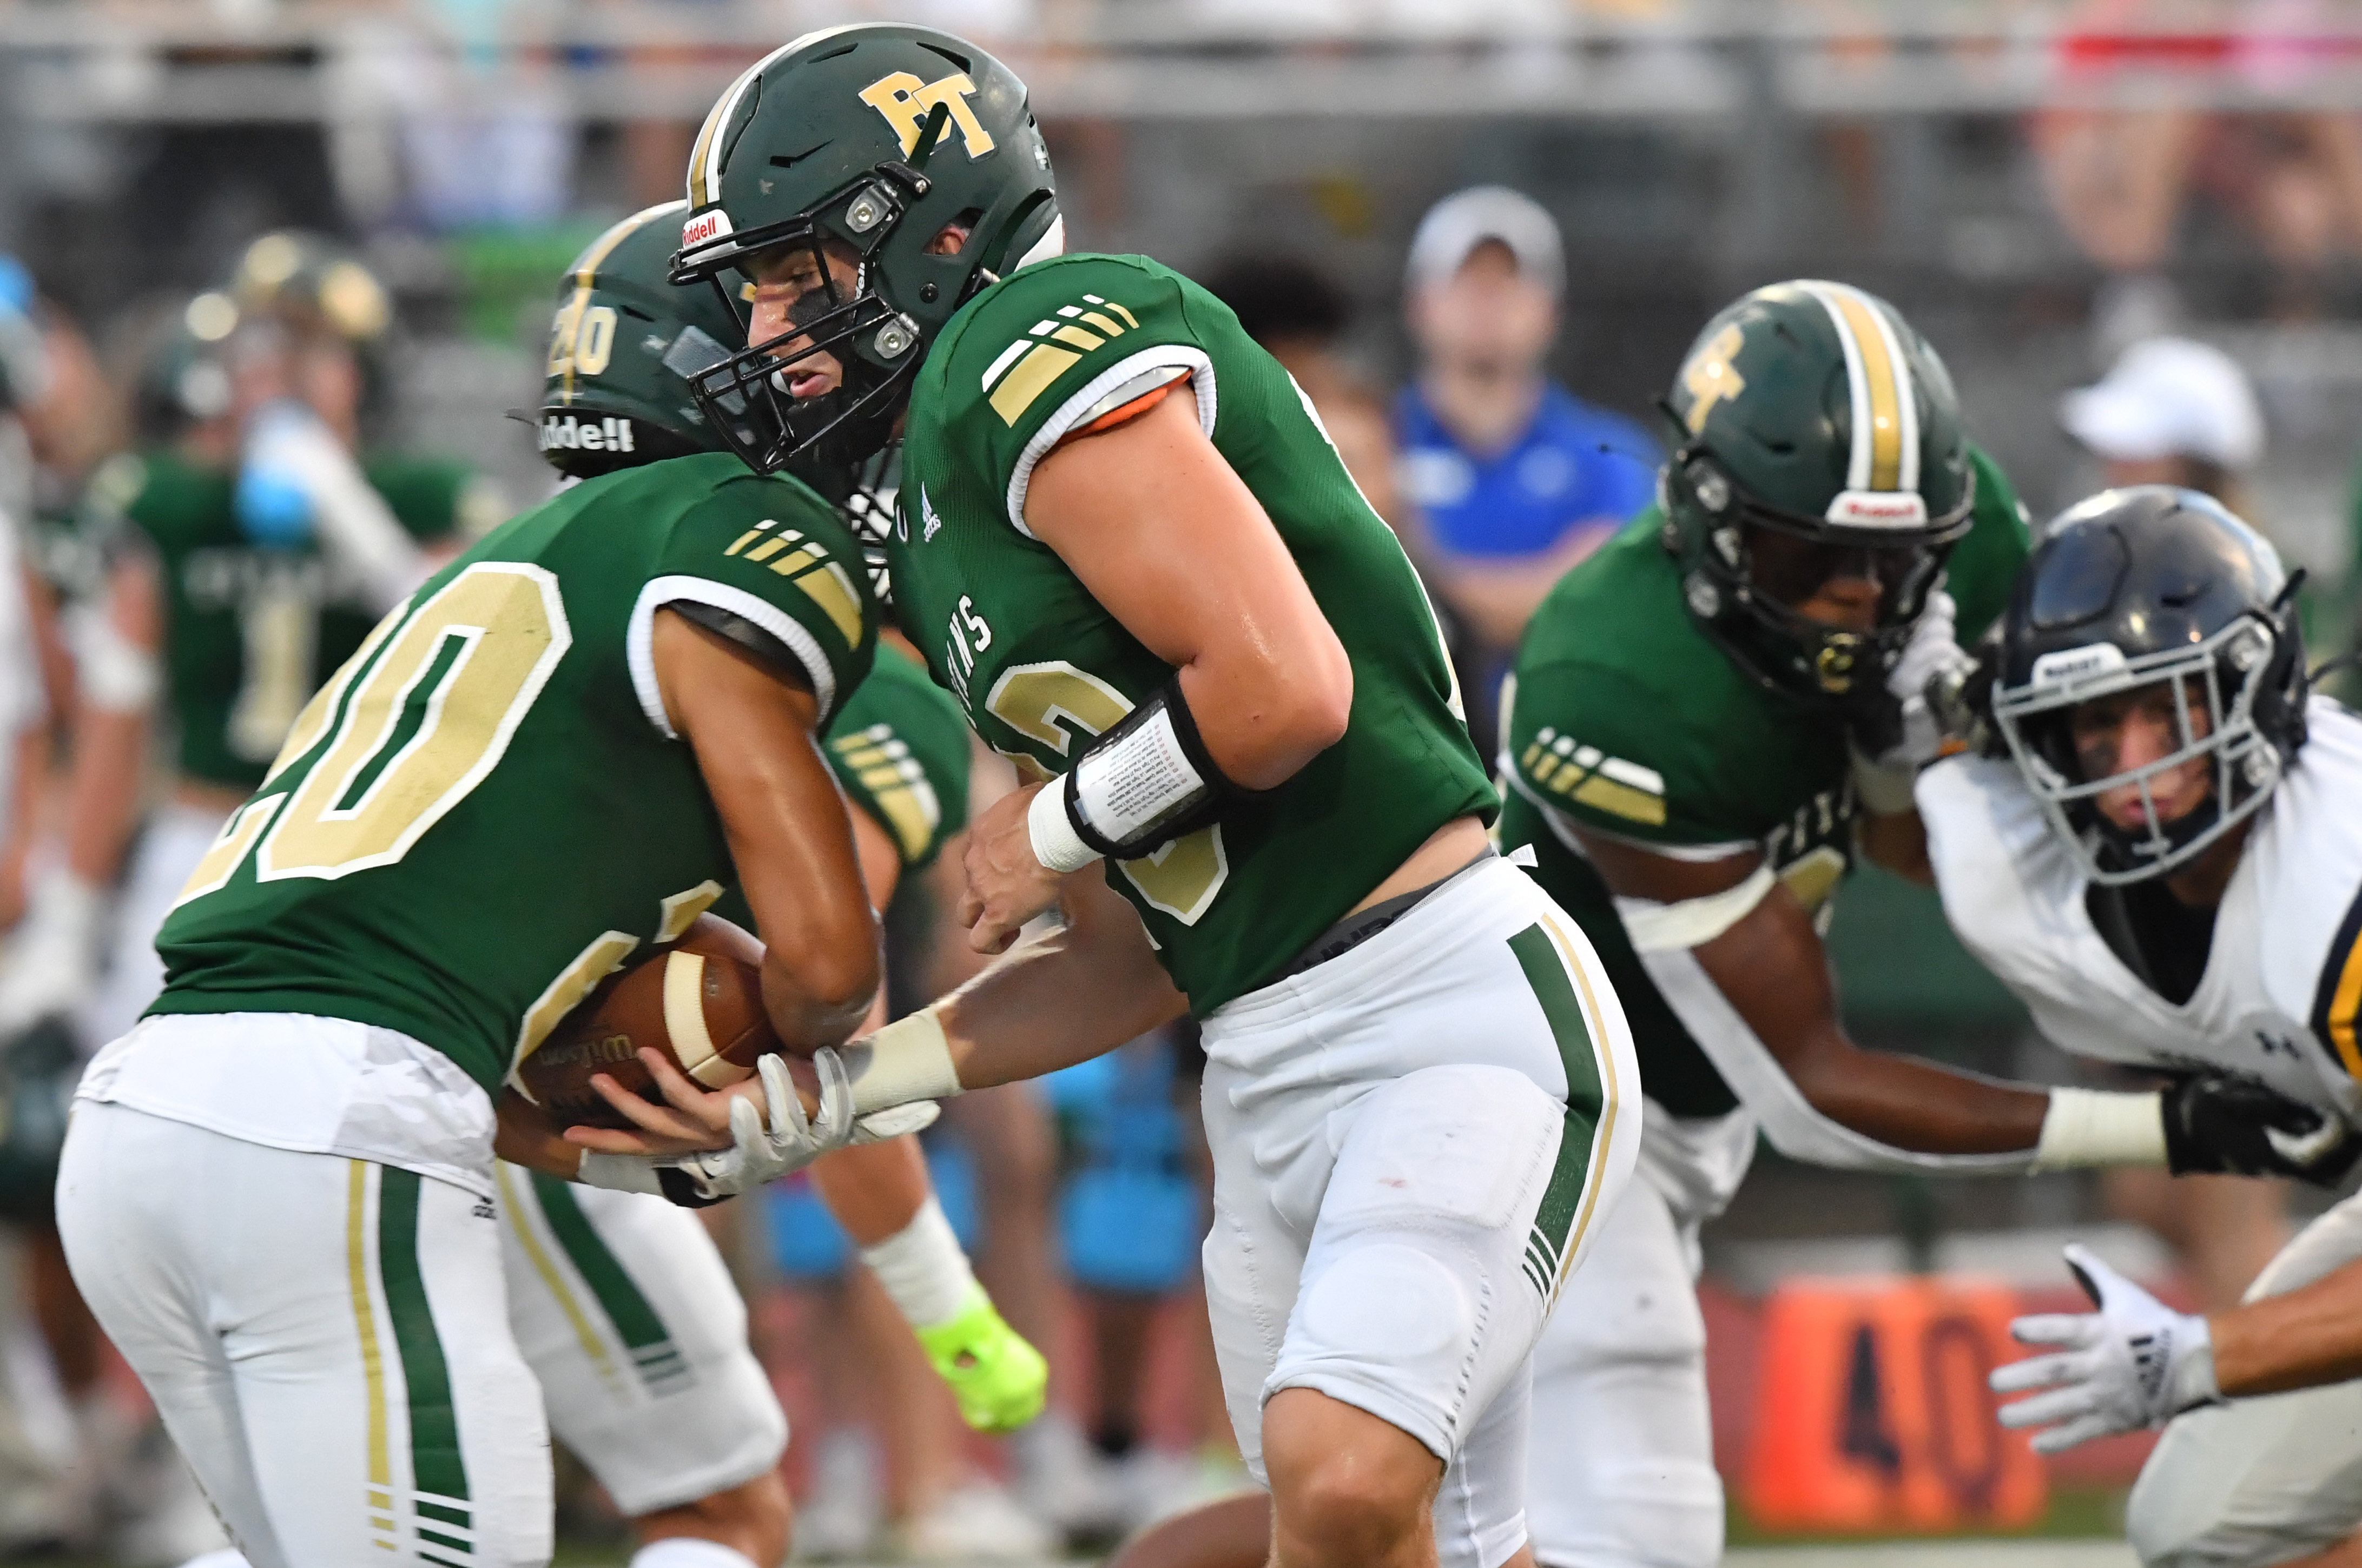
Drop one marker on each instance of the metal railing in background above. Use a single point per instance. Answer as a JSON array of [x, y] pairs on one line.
[[262, 60]]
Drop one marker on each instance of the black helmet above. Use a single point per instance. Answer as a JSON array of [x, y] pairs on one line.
[[1811, 412], [878, 137], [2133, 587], [623, 347]]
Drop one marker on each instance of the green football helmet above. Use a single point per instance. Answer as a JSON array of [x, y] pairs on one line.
[[625, 346], [1818, 436], [880, 137]]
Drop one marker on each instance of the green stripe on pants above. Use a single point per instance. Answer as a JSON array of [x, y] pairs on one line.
[[1538, 954], [436, 1467], [635, 1321]]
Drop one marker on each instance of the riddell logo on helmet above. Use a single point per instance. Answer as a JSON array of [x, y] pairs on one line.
[[608, 434], [705, 227], [1878, 509]]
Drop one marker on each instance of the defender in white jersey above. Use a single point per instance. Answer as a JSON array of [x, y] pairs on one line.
[[2166, 866]]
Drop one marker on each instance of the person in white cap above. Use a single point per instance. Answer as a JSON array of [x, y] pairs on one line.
[[2175, 410], [2171, 411], [1514, 478]]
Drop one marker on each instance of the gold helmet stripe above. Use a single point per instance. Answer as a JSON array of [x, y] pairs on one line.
[[586, 278], [1879, 381], [705, 155]]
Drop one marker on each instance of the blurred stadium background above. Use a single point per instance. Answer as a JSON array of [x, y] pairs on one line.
[[2036, 184]]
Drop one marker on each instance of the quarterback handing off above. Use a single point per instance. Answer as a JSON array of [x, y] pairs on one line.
[[1126, 544]]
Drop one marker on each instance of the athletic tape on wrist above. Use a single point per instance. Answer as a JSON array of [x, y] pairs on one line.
[[1884, 789], [2193, 1371], [1145, 782], [1057, 845], [618, 1172], [2100, 1127], [909, 1059]]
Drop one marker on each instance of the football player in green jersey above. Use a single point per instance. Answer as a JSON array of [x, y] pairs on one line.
[[279, 1192], [1708, 720], [1125, 543], [689, 1451]]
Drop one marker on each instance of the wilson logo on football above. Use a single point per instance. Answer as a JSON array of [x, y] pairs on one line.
[[704, 228]]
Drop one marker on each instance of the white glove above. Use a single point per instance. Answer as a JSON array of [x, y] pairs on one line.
[[2135, 1362], [1885, 782], [1933, 652], [760, 1153], [52, 961]]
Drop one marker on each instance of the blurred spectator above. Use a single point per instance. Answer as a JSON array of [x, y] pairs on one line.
[[2171, 411], [1131, 1213], [1514, 480], [2119, 178], [1299, 313]]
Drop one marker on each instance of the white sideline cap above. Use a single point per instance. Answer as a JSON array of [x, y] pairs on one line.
[[1457, 224], [2170, 397]]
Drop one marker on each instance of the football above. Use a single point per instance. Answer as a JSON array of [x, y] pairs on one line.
[[698, 1000]]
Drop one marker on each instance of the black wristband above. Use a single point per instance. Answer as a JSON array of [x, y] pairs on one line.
[[680, 1190], [1185, 814]]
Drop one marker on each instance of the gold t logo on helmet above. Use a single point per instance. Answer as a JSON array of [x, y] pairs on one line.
[[906, 102], [1710, 377]]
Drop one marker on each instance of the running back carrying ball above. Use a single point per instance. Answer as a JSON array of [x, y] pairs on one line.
[[698, 1000]]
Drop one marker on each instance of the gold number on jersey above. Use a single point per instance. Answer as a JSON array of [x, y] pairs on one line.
[[313, 720], [406, 753], [1055, 701]]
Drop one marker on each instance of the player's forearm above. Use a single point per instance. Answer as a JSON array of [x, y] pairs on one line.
[[1899, 843], [818, 995], [1907, 1103], [524, 1135], [1060, 998], [1052, 1002], [2306, 1338]]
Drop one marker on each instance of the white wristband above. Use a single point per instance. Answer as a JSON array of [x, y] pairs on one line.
[[1057, 845], [2193, 1369], [2099, 1127], [910, 1059]]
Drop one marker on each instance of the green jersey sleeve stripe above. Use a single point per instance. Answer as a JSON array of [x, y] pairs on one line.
[[638, 637], [435, 1466], [1179, 356]]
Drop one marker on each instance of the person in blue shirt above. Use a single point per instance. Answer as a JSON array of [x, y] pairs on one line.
[[1512, 478]]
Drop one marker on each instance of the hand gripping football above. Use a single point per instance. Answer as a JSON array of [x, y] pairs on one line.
[[698, 1000]]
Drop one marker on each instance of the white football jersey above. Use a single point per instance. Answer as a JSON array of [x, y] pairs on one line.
[[2283, 976]]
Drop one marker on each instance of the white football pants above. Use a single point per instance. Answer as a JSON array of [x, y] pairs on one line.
[[327, 1339], [2259, 1481], [626, 1313], [1403, 1180], [1621, 1473]]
